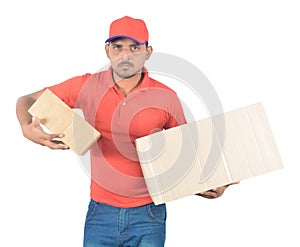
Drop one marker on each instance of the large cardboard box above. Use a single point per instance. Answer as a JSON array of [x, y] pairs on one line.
[[208, 153], [58, 117]]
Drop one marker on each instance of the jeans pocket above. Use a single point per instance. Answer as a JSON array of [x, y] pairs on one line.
[[92, 210], [157, 213]]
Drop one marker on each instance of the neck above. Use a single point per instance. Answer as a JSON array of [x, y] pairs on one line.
[[125, 85]]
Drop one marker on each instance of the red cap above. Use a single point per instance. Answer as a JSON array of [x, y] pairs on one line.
[[127, 27]]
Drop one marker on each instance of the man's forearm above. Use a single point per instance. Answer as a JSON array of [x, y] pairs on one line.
[[22, 106]]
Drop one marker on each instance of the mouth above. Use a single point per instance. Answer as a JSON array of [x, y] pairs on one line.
[[125, 65]]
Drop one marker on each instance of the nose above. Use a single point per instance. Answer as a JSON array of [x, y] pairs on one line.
[[126, 54], [127, 50]]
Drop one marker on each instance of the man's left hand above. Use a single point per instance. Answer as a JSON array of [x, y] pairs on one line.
[[215, 193]]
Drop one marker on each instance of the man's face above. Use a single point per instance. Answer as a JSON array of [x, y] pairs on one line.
[[127, 57]]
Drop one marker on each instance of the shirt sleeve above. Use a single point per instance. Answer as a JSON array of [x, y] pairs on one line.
[[69, 90], [176, 115]]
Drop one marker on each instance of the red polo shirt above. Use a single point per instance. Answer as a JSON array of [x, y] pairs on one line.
[[116, 175]]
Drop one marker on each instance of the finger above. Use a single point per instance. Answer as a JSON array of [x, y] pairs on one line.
[[57, 142], [210, 194], [52, 140], [53, 144], [46, 137], [232, 184], [35, 121], [61, 145], [55, 136]]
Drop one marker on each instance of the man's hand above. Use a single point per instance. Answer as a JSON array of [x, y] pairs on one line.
[[215, 193], [35, 133], [31, 127]]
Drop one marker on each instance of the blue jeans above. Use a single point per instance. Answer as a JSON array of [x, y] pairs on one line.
[[108, 226]]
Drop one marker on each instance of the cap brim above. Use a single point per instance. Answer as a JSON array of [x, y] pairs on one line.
[[124, 37]]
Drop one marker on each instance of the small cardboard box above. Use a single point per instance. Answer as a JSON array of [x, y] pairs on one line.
[[208, 153], [58, 117]]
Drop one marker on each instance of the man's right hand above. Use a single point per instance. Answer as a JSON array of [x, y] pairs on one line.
[[35, 133]]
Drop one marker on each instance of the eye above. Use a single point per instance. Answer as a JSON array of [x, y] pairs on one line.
[[116, 47], [135, 47]]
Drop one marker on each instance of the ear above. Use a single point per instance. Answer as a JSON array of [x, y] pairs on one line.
[[107, 50], [149, 52]]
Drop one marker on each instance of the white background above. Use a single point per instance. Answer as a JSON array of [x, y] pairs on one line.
[[250, 52]]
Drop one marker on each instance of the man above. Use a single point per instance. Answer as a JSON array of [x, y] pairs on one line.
[[123, 103]]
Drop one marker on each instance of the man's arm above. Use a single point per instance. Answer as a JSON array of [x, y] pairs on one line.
[[31, 125]]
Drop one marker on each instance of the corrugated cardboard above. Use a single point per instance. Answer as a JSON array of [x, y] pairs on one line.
[[208, 153], [58, 117]]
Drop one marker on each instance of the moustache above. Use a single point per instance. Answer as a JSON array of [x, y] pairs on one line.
[[125, 63]]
